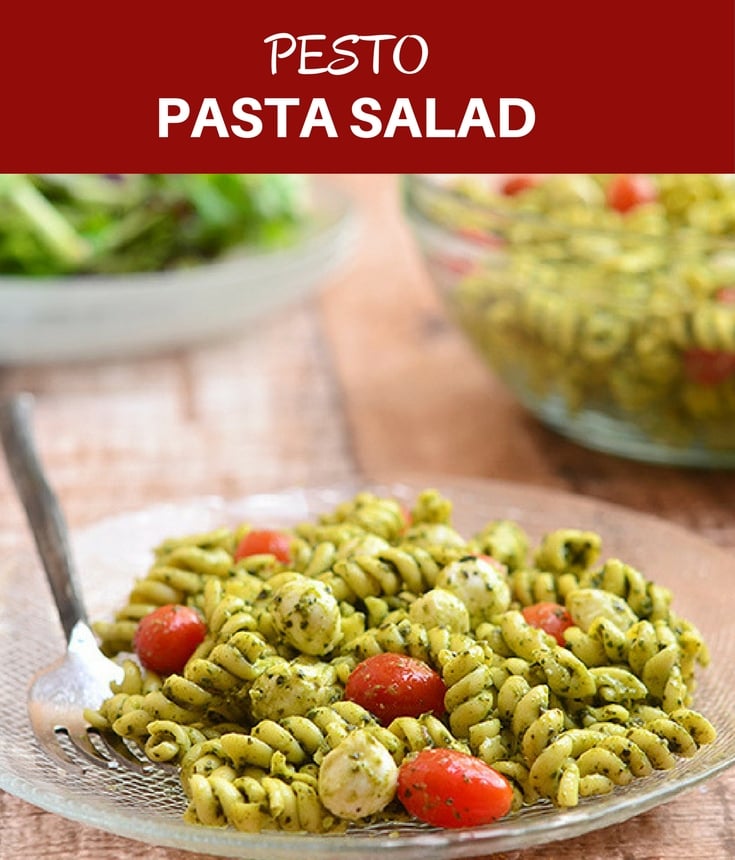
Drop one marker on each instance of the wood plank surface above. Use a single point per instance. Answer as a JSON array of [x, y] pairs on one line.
[[367, 377]]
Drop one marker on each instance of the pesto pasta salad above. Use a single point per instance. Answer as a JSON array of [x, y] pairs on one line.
[[375, 665], [603, 301]]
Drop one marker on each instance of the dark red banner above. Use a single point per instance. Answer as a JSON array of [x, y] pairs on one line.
[[635, 85]]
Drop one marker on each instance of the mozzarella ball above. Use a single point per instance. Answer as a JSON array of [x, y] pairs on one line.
[[306, 614], [440, 608], [358, 777], [481, 585]]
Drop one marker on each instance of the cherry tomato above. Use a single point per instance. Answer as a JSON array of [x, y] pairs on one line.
[[395, 685], [711, 366], [448, 788], [515, 184], [265, 542], [708, 366], [726, 295], [628, 190], [166, 638], [550, 617]]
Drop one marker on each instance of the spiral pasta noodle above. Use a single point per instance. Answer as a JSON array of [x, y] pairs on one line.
[[257, 721]]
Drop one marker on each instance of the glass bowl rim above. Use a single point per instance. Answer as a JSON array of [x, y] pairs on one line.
[[416, 186]]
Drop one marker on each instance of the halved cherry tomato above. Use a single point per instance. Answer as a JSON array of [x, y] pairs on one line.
[[628, 190], [515, 184], [726, 295], [449, 788], [708, 366], [395, 685], [166, 638], [711, 366], [265, 542], [550, 617]]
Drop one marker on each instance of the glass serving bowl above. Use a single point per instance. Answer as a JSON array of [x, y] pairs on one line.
[[80, 318], [611, 317]]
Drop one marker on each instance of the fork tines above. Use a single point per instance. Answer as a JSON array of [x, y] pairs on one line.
[[102, 749]]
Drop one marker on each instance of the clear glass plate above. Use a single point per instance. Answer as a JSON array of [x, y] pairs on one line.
[[149, 808]]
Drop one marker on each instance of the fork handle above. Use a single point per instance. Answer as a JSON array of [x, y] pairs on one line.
[[42, 508]]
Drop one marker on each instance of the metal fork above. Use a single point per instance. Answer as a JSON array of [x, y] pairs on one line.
[[81, 678]]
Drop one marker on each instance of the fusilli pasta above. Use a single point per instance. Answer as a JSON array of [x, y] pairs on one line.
[[257, 721]]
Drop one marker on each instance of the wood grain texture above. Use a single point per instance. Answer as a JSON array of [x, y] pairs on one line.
[[366, 377]]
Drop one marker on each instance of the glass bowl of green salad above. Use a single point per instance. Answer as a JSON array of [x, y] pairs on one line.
[[110, 266], [605, 302]]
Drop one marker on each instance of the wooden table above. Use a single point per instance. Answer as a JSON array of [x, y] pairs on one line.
[[365, 377]]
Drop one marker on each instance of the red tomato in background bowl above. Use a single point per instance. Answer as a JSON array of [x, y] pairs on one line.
[[629, 190]]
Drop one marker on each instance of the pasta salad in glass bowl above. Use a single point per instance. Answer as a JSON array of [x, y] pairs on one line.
[[606, 303]]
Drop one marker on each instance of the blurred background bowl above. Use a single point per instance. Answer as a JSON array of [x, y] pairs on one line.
[[93, 316], [606, 303]]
